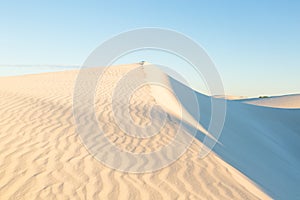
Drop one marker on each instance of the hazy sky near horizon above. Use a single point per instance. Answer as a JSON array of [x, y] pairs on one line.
[[255, 44]]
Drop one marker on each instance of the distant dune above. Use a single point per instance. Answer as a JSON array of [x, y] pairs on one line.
[[42, 157], [230, 97], [285, 101]]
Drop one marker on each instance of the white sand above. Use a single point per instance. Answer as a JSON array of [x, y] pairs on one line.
[[286, 101], [42, 157]]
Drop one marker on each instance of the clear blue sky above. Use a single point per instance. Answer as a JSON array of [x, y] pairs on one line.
[[255, 44]]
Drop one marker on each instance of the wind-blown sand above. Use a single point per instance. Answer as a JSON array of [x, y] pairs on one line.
[[41, 155]]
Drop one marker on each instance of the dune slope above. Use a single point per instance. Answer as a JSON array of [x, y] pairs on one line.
[[261, 142], [42, 157]]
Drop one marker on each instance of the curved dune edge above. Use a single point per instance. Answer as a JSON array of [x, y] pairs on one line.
[[42, 156], [244, 181]]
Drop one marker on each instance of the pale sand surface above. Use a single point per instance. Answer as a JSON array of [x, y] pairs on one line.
[[231, 97], [42, 157], [285, 101]]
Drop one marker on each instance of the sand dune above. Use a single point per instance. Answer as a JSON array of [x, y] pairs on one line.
[[42, 156], [285, 101], [259, 141], [231, 97]]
